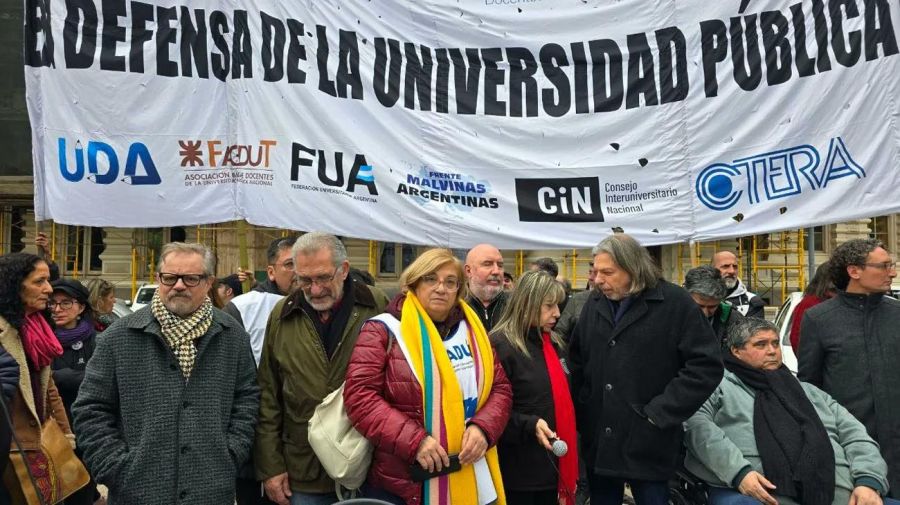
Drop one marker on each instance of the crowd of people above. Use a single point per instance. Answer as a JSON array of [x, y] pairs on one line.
[[470, 387]]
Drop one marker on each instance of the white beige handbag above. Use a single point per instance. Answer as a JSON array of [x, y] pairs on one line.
[[343, 452]]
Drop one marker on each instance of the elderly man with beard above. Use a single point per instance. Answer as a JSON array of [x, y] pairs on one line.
[[309, 338], [747, 303], [484, 270], [169, 400]]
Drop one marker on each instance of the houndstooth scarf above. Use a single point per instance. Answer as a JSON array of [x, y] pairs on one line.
[[181, 333]]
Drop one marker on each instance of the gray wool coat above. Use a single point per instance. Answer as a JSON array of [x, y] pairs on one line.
[[850, 348], [154, 438]]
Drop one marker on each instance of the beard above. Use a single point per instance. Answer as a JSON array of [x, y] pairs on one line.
[[486, 292], [731, 282], [326, 301], [180, 305]]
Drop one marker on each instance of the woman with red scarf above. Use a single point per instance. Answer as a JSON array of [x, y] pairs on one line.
[[532, 356], [25, 334]]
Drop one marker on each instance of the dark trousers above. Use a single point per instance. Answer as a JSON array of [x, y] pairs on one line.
[[376, 493], [609, 491], [532, 497], [249, 492]]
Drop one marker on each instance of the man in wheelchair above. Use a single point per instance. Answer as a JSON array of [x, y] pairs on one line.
[[765, 437]]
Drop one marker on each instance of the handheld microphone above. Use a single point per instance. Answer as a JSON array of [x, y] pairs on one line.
[[560, 447]]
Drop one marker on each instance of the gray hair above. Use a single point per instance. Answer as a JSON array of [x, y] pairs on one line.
[[705, 281], [744, 329], [851, 252], [630, 256], [209, 260], [315, 241]]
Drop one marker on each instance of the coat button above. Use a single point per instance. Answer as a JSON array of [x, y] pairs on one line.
[[612, 343], [186, 404], [185, 450], [32, 423], [609, 387], [173, 366], [182, 495], [608, 431]]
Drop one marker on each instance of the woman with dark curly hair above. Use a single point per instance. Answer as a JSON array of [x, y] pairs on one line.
[[25, 334]]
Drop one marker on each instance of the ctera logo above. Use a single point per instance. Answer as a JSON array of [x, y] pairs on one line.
[[103, 164], [774, 175], [570, 200], [361, 173]]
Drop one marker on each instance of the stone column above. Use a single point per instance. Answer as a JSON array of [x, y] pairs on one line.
[[117, 260]]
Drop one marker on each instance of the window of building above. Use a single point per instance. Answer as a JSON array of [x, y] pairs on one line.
[[84, 245], [880, 227], [818, 235], [394, 257]]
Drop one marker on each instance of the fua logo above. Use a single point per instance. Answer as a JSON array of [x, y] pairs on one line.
[[361, 172], [103, 164]]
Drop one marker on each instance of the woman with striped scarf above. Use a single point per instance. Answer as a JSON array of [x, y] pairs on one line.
[[424, 386]]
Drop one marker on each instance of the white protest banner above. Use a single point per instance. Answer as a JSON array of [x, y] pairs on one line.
[[529, 124]]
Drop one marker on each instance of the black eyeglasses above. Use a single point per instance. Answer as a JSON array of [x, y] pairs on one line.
[[189, 280]]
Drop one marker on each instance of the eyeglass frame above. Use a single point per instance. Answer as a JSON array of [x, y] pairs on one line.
[[885, 266], [319, 280], [182, 278], [51, 304], [431, 281]]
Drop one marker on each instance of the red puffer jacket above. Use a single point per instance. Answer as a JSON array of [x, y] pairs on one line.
[[384, 401]]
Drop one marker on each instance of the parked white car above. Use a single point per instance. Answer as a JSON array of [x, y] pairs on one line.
[[786, 316], [143, 296], [783, 322]]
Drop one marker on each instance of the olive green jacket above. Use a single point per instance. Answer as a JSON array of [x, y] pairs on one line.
[[294, 376]]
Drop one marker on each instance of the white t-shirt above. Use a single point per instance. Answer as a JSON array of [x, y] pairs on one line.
[[461, 359]]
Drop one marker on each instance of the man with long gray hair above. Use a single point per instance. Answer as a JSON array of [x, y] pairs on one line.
[[309, 338], [169, 400], [643, 359], [706, 287]]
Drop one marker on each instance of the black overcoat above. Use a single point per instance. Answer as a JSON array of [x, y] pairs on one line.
[[635, 382]]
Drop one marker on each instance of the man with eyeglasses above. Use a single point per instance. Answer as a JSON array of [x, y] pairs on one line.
[[850, 345], [309, 338], [167, 409], [252, 309]]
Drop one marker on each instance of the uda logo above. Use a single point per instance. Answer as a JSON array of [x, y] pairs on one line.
[[774, 175], [103, 163]]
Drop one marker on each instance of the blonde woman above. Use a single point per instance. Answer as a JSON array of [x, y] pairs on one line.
[[532, 356], [423, 385], [102, 299]]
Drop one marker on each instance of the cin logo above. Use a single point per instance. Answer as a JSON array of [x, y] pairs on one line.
[[570, 200], [774, 175], [103, 164], [361, 173]]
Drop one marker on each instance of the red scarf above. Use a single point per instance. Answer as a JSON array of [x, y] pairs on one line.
[[564, 411], [39, 341]]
